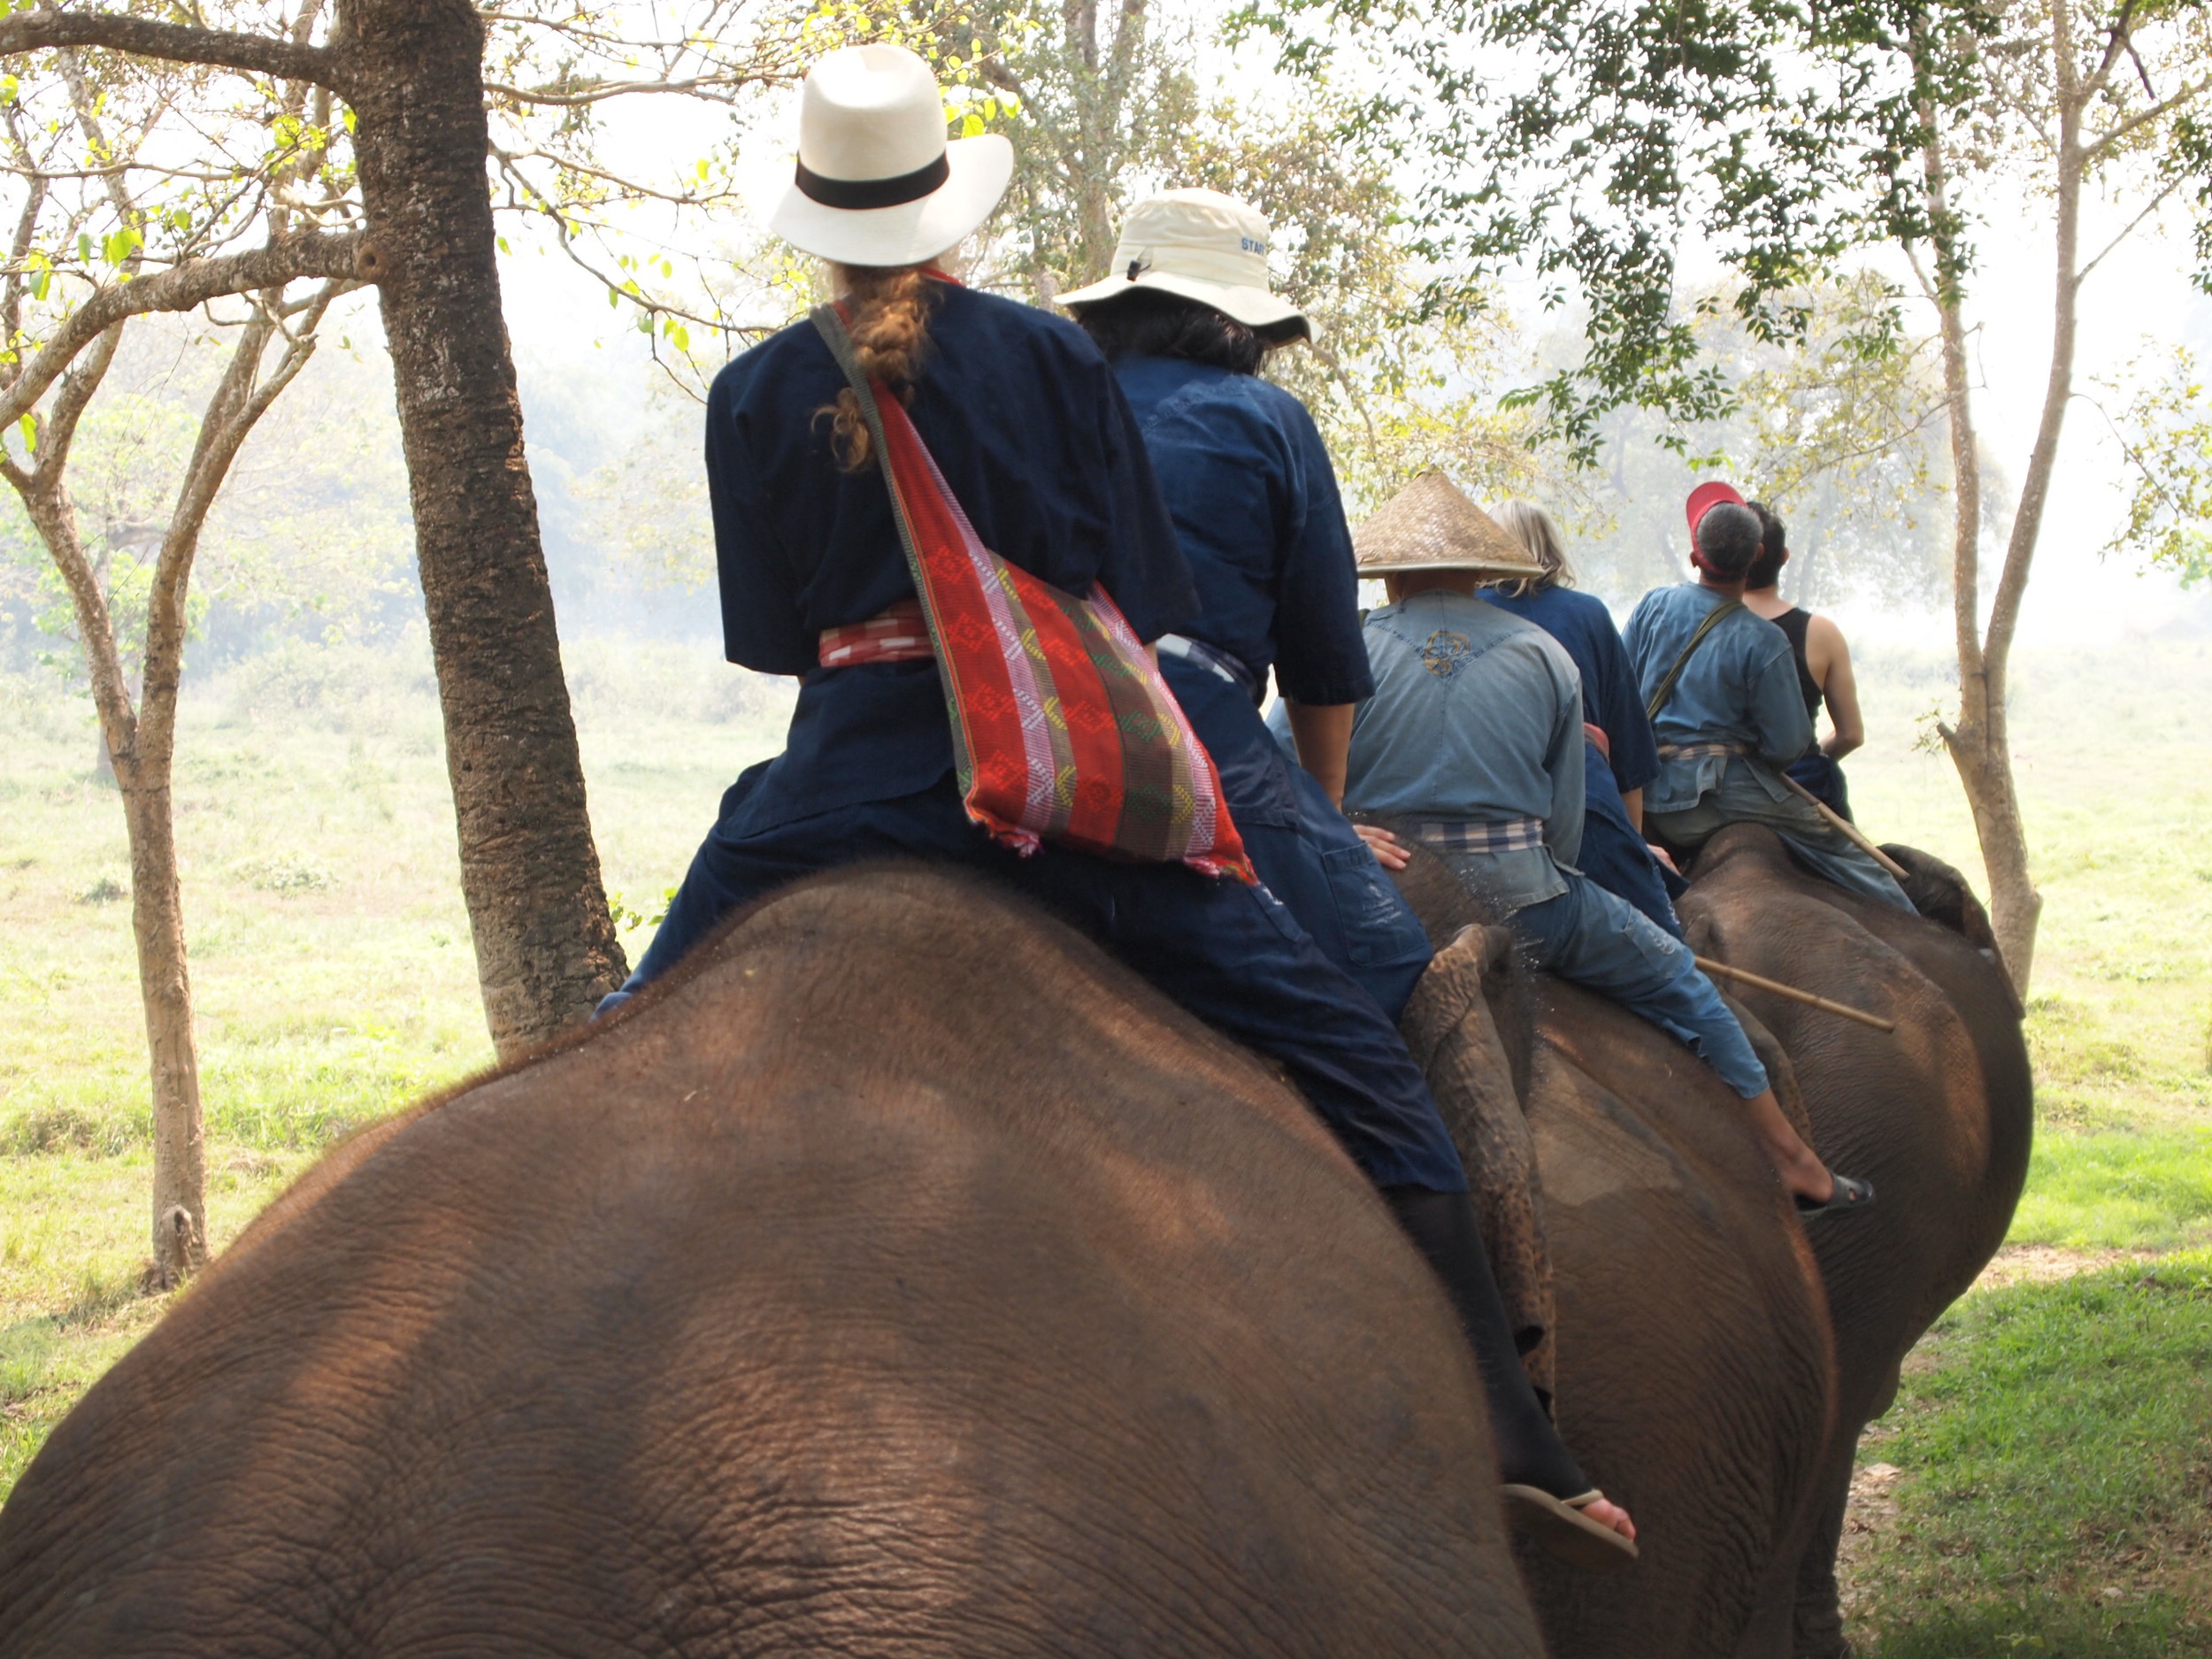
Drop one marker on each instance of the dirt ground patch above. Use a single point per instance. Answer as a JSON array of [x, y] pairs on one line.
[[2041, 1264]]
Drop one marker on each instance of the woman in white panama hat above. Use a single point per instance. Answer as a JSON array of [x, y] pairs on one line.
[[1036, 447], [1187, 318]]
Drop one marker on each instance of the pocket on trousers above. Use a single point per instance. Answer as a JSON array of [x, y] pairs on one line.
[[1379, 928]]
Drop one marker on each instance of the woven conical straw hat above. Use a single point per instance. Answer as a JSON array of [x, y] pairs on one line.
[[1430, 525]]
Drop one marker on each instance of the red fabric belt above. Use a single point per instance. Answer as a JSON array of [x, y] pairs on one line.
[[899, 635], [1596, 734]]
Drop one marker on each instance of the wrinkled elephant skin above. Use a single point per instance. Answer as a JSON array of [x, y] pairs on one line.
[[1939, 1115], [821, 1302], [1716, 1359]]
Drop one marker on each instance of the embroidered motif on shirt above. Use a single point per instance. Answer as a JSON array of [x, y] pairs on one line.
[[1444, 653]]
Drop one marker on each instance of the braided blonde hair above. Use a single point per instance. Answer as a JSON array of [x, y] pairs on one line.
[[889, 325]]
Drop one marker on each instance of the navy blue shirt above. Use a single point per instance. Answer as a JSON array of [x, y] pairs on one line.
[[1249, 482], [1610, 700], [1037, 443]]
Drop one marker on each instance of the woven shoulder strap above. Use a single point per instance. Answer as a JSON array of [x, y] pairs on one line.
[[1714, 617], [830, 324]]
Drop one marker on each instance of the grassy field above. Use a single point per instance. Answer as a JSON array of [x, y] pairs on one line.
[[2040, 1487]]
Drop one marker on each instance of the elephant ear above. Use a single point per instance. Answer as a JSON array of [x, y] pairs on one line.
[[1939, 893]]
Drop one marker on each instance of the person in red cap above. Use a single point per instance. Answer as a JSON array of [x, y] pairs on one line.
[[1720, 684]]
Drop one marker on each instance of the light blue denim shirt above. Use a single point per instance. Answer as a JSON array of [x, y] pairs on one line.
[[1477, 715], [1739, 689]]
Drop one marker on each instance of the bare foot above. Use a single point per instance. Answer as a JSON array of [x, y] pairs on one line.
[[1605, 1512], [1797, 1164]]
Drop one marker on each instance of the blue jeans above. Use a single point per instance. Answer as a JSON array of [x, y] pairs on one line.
[[1599, 940], [1227, 952]]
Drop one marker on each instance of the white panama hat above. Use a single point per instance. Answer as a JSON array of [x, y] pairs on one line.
[[1203, 246], [877, 184]]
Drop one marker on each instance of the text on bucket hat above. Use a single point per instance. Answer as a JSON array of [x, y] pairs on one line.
[[1203, 246], [876, 182]]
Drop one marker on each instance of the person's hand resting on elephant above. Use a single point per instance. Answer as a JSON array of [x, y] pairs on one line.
[[1389, 851]]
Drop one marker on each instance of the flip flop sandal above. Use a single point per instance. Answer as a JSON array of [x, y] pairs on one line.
[[1561, 1527], [1850, 1198]]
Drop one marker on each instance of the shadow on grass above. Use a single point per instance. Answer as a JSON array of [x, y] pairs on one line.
[[2062, 1629], [2052, 1445]]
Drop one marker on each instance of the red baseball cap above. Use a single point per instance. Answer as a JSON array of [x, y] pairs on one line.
[[1705, 498]]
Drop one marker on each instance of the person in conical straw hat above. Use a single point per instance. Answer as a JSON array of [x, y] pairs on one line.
[[1472, 745], [1187, 318], [1017, 463]]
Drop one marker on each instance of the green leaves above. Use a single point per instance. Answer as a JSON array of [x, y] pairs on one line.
[[1582, 141]]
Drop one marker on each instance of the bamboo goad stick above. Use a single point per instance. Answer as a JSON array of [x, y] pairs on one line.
[[1761, 982]]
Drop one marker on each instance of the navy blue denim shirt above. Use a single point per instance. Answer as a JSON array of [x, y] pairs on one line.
[[1610, 700], [1254, 502], [1033, 434]]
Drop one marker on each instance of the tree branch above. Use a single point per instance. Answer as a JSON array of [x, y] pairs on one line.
[[180, 288], [172, 42], [2156, 201], [2096, 149]]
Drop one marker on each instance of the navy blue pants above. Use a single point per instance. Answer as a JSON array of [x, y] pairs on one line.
[[1305, 850], [1820, 774], [1229, 953], [1615, 856]]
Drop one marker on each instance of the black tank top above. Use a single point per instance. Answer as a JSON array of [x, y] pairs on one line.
[[1794, 622]]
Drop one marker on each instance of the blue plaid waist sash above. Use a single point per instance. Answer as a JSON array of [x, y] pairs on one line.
[[1479, 835]]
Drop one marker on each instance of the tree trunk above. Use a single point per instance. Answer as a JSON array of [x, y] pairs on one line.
[[142, 762], [1979, 743], [545, 943], [180, 1234]]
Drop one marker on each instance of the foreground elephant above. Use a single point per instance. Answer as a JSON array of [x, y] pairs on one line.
[[1699, 1381], [907, 1279]]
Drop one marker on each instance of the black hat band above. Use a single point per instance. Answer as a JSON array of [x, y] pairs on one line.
[[866, 193]]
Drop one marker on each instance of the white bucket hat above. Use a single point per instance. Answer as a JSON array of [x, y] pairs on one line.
[[877, 184], [1203, 246]]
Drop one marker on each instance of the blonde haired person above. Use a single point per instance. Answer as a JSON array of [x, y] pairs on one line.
[[1036, 446], [1620, 757]]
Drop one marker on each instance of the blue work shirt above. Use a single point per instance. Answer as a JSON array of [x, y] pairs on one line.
[[1740, 687], [1477, 715], [1026, 423], [1253, 497]]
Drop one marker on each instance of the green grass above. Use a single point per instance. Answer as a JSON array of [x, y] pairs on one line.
[[2125, 1190], [2053, 1443]]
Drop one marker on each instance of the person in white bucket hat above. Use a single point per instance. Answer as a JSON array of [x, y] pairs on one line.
[[1033, 441], [1187, 319]]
